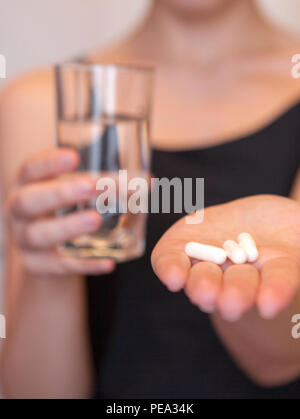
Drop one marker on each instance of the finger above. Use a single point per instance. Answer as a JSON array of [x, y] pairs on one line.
[[37, 199], [45, 234], [240, 285], [280, 282], [54, 264], [203, 285], [48, 164], [171, 267]]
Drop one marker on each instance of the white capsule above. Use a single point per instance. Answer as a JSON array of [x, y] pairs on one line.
[[247, 242], [234, 252], [206, 252]]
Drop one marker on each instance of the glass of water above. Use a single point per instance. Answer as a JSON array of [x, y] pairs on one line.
[[103, 114]]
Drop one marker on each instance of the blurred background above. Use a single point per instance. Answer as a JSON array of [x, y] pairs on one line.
[[37, 33]]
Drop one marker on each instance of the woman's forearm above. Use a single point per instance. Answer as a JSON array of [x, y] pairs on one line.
[[46, 354], [264, 349]]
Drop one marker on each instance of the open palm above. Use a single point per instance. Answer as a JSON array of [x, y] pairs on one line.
[[271, 282]]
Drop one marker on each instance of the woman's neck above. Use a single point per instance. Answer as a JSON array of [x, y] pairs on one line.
[[234, 29]]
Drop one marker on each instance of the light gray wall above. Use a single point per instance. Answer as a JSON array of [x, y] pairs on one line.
[[38, 32]]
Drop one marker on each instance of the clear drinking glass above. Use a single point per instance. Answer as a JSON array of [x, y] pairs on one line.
[[103, 113]]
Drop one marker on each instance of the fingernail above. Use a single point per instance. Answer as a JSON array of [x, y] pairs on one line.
[[174, 284], [173, 279], [267, 305], [207, 309], [232, 315], [84, 188], [230, 306], [67, 160], [207, 303], [107, 266], [89, 220]]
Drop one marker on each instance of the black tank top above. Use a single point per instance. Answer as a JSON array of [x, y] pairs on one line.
[[150, 343]]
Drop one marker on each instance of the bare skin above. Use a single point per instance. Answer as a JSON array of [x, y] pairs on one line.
[[222, 72], [264, 349]]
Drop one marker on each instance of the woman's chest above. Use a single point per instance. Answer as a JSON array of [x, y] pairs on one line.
[[202, 110]]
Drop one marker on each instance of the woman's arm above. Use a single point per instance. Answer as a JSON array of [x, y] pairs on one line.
[[279, 359], [46, 353], [264, 349], [280, 352], [252, 304]]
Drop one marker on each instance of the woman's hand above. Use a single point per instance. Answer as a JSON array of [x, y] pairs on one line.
[[271, 283], [37, 231]]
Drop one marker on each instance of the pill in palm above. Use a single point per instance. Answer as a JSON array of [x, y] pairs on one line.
[[235, 252], [247, 242], [206, 252]]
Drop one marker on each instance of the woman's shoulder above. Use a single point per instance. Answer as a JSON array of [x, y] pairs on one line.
[[35, 89], [27, 119], [284, 45], [271, 65]]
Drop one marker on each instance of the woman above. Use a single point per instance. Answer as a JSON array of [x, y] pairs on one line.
[[226, 109]]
